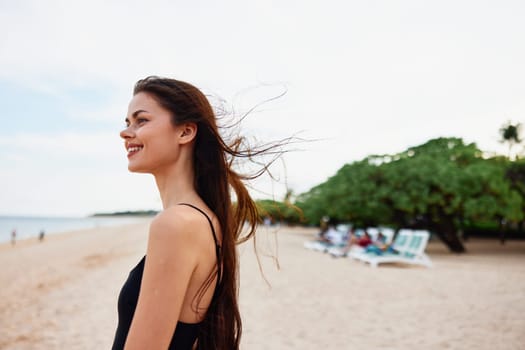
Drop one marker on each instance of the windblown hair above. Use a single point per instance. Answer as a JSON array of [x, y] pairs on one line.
[[214, 178]]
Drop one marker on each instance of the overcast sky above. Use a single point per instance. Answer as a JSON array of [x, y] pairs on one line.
[[362, 77]]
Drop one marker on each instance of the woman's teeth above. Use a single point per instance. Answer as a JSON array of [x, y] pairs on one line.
[[134, 149]]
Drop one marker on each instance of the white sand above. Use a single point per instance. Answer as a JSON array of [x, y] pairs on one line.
[[61, 294]]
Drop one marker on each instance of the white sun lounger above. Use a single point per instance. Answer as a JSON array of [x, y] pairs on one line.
[[410, 246]]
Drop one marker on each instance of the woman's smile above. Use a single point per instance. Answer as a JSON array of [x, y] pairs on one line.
[[133, 149]]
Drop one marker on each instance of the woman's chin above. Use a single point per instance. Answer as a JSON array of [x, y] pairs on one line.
[[135, 169]]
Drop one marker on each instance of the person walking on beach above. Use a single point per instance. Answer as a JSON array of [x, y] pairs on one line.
[[13, 237], [41, 235], [183, 293]]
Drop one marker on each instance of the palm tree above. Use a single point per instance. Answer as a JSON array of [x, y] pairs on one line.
[[511, 133]]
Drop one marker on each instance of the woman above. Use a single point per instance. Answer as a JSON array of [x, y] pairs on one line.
[[183, 293]]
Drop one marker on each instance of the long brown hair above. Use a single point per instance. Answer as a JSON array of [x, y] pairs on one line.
[[214, 177]]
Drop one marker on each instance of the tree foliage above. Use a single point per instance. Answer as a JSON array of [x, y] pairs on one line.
[[441, 186], [279, 212]]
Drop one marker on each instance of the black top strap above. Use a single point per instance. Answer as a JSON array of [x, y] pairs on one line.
[[217, 245]]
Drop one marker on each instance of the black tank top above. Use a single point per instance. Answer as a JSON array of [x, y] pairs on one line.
[[185, 333]]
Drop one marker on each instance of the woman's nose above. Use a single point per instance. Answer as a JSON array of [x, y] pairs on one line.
[[126, 133]]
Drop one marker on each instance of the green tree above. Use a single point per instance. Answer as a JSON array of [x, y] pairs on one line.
[[426, 187], [441, 186], [516, 175], [277, 211], [350, 195]]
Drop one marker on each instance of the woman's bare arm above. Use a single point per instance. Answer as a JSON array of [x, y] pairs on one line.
[[170, 261]]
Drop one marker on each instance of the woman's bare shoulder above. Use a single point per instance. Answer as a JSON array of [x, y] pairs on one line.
[[178, 222]]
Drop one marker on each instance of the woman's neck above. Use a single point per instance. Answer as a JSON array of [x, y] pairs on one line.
[[176, 186]]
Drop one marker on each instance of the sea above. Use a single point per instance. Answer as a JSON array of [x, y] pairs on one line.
[[31, 226]]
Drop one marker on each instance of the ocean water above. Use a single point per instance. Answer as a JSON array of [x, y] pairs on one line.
[[27, 227]]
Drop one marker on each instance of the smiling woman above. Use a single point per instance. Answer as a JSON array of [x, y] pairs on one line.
[[183, 293]]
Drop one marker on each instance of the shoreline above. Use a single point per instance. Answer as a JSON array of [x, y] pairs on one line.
[[54, 235], [28, 227]]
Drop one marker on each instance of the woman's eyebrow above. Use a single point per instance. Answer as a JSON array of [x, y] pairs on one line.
[[135, 114]]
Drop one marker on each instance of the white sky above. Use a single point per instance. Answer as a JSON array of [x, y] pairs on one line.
[[362, 77]]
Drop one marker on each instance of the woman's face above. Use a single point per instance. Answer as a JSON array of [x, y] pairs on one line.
[[150, 137]]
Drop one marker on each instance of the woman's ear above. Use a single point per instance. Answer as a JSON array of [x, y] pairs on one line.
[[188, 131]]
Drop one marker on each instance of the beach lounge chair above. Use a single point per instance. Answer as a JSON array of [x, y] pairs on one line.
[[340, 251], [409, 248], [336, 239], [317, 245]]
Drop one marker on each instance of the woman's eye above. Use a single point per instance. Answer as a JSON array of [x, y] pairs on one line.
[[141, 120]]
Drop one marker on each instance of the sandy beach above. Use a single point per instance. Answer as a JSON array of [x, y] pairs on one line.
[[62, 293]]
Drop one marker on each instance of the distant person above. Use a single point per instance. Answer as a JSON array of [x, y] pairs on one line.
[[362, 241], [183, 294], [380, 241], [13, 237], [354, 240], [41, 235], [322, 234], [324, 229], [380, 246]]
